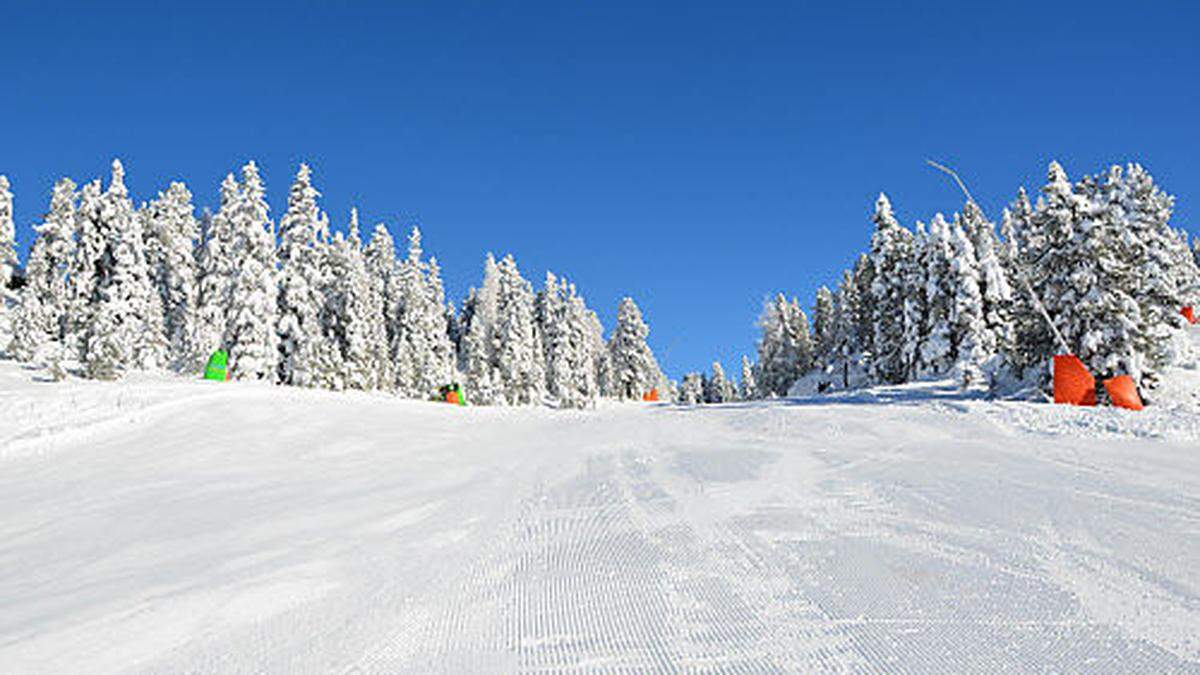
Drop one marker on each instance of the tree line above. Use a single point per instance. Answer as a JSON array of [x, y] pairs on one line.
[[109, 288], [960, 297]]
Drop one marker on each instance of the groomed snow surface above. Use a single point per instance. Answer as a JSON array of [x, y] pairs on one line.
[[164, 525]]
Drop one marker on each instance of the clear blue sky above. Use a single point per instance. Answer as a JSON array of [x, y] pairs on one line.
[[696, 156]]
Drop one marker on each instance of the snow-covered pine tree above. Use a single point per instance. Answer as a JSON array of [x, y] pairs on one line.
[[803, 332], [748, 387], [1072, 254], [823, 327], [41, 321], [864, 316], [1187, 271], [995, 286], [847, 346], [215, 266], [567, 328], [250, 321], [1103, 318], [691, 390], [8, 261], [124, 328], [785, 347], [969, 331], [380, 255], [1025, 317], [8, 237], [891, 256], [718, 389], [361, 347], [586, 340], [303, 276], [777, 358], [520, 355], [936, 355], [409, 340], [601, 358], [421, 346], [550, 310], [915, 305], [88, 264], [172, 232], [454, 331], [1163, 274], [479, 347], [634, 370], [438, 324], [328, 366], [1049, 250]]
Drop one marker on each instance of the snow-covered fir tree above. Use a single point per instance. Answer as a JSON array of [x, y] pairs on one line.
[[891, 256], [421, 347], [8, 237], [846, 345], [216, 267], [379, 351], [718, 388], [380, 256], [969, 330], [916, 305], [8, 262], [328, 369], [748, 386], [824, 328], [1047, 248], [785, 347], [122, 327], [634, 370], [479, 346], [172, 232], [550, 310], [304, 273], [519, 345], [250, 319], [41, 323], [568, 329], [357, 330], [1163, 276], [441, 317], [995, 285], [936, 353], [691, 389], [84, 271], [1072, 258]]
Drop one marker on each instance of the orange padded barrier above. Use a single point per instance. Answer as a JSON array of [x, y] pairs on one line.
[[1073, 384], [1123, 392]]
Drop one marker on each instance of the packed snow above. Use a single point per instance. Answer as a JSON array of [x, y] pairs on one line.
[[160, 524]]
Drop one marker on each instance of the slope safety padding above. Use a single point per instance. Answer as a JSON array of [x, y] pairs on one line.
[[1073, 384], [1123, 392]]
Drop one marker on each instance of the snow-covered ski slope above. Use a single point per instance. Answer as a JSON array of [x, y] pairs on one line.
[[161, 525]]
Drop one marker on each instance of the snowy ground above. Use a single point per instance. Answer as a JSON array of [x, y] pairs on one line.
[[160, 525]]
